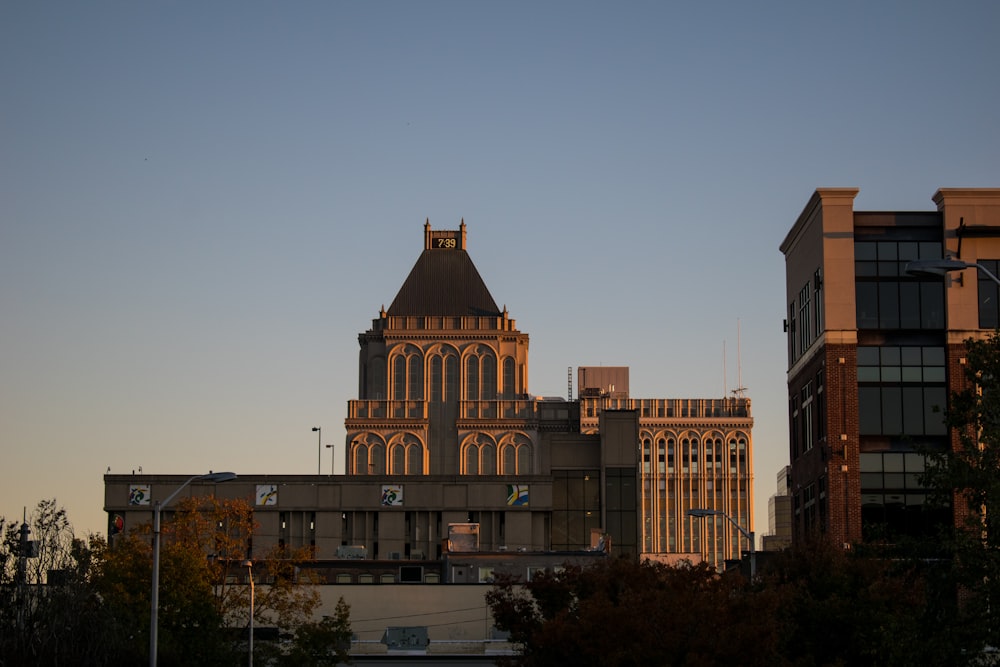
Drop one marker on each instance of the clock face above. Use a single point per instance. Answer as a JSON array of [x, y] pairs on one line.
[[445, 241]]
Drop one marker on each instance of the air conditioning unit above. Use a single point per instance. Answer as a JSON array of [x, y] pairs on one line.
[[393, 555]]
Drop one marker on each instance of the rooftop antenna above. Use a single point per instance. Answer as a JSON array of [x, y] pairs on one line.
[[740, 391], [725, 391]]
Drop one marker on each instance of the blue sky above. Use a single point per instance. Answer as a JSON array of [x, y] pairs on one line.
[[203, 204]]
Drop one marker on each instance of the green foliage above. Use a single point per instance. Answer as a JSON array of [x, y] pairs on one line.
[[967, 479], [324, 643]]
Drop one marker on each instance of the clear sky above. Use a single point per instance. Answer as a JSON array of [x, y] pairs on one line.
[[203, 204]]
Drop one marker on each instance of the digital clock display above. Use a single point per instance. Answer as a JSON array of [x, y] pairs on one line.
[[445, 241]]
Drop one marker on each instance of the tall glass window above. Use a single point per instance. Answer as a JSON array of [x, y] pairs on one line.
[[888, 298], [901, 390], [989, 295]]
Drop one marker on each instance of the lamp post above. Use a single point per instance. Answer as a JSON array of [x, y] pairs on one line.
[[155, 595], [940, 267], [702, 513], [249, 566], [332, 452], [318, 430]]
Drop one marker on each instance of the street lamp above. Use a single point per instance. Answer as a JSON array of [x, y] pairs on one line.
[[331, 447], [702, 513], [249, 565], [940, 267], [155, 595], [318, 430]]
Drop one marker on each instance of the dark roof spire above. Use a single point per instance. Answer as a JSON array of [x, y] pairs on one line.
[[444, 281]]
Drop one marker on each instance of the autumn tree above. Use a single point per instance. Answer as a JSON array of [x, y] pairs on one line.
[[203, 595], [967, 478]]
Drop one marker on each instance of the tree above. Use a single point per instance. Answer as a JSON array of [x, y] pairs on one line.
[[324, 643], [49, 611], [967, 478], [203, 549], [815, 605], [623, 612]]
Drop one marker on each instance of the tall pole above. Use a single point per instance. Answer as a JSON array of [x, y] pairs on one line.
[[318, 430], [332, 457], [154, 597], [702, 513], [249, 565]]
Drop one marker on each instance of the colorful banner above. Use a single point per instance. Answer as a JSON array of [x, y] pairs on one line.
[[517, 495], [138, 494], [392, 495], [267, 494]]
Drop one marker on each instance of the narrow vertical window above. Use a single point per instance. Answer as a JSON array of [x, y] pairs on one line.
[[416, 378], [508, 378], [399, 378], [437, 386], [472, 379]]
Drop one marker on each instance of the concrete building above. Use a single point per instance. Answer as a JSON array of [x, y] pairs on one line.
[[779, 515], [874, 352], [447, 451]]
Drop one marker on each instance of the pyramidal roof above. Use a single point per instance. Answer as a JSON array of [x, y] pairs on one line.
[[444, 281]]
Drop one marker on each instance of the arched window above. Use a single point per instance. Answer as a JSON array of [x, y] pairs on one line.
[[399, 378], [488, 457], [376, 463], [509, 460], [647, 456], [661, 456], [361, 460], [414, 460], [472, 378], [398, 460], [451, 380], [437, 381], [524, 459], [488, 363], [416, 378], [472, 460], [508, 378]]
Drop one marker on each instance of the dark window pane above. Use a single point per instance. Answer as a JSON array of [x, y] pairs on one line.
[[869, 410], [908, 250], [867, 305], [890, 355], [934, 405], [931, 250], [934, 356], [910, 356], [866, 374], [892, 411], [865, 269], [888, 305], [871, 481], [864, 250], [868, 356], [932, 305]]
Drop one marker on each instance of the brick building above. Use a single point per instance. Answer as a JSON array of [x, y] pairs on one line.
[[874, 352]]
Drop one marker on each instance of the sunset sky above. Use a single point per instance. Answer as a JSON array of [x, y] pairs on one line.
[[203, 204]]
